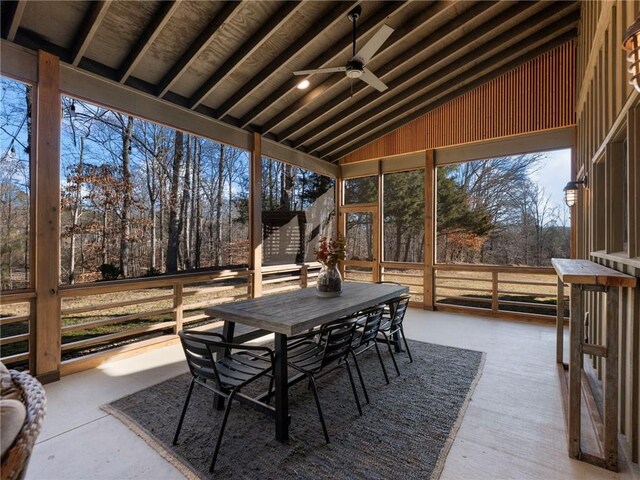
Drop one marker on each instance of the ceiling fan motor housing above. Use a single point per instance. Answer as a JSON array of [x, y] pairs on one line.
[[355, 69]]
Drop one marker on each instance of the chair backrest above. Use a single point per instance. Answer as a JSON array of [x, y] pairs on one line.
[[336, 338], [398, 309], [197, 348], [373, 318]]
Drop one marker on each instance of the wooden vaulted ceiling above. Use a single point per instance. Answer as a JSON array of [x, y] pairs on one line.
[[233, 61]]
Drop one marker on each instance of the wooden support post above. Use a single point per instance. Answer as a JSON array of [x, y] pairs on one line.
[[560, 322], [45, 265], [339, 214], [494, 291], [575, 372], [304, 276], [378, 253], [610, 443], [255, 217], [429, 229], [178, 308]]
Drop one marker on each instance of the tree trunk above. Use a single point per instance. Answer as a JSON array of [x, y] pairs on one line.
[[173, 243], [184, 209], [197, 208], [75, 214], [219, 208], [126, 198]]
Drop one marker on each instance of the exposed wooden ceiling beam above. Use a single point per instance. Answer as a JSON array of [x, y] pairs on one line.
[[363, 139], [337, 48], [16, 17], [413, 24], [88, 29], [385, 69], [197, 47], [284, 13], [160, 18], [407, 101], [391, 66], [497, 44], [333, 15]]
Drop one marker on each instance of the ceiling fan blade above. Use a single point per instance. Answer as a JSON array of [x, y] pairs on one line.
[[370, 48], [369, 77], [321, 70]]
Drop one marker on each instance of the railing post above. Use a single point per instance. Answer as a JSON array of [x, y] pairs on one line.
[[494, 291], [178, 308], [304, 276]]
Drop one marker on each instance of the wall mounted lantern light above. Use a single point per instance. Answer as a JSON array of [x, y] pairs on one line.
[[632, 45], [571, 191]]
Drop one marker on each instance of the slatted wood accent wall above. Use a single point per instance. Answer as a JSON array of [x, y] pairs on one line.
[[537, 96], [608, 115]]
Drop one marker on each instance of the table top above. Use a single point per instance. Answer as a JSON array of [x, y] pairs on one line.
[[586, 272], [296, 312]]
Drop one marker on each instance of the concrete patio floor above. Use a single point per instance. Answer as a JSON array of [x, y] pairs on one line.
[[513, 427]]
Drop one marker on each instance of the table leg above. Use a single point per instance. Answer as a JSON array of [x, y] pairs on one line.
[[227, 332], [281, 388], [575, 372], [396, 340]]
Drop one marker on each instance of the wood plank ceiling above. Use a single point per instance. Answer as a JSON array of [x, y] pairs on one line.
[[234, 61]]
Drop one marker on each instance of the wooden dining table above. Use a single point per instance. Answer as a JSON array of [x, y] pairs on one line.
[[295, 312]]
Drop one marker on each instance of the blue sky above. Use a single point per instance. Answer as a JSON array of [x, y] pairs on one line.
[[554, 174]]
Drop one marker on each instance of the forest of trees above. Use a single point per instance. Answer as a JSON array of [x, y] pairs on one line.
[[493, 212], [140, 199]]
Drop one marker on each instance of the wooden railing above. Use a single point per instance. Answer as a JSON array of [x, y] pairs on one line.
[[103, 319], [16, 314], [502, 291], [100, 320], [408, 274], [284, 278]]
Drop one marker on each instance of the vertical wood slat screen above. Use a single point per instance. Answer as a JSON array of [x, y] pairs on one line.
[[537, 96]]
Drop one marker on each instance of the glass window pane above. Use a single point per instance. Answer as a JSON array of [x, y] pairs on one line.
[[361, 190], [141, 199], [15, 188], [504, 211], [359, 235], [298, 207], [403, 207]]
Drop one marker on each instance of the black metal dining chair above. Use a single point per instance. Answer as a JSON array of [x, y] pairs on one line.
[[316, 354], [225, 377], [391, 328], [368, 325]]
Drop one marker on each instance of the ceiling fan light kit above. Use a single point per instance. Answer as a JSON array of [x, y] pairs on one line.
[[356, 67]]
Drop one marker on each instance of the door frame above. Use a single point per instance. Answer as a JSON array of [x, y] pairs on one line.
[[373, 209]]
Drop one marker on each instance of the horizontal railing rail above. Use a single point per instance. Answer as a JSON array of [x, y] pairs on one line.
[[497, 289], [17, 309]]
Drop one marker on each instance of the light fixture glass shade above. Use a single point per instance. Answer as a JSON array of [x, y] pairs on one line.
[[303, 84], [632, 45], [571, 193]]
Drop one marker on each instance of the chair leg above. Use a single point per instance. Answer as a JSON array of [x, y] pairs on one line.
[[353, 386], [312, 382], [364, 388], [224, 424], [384, 369], [393, 357], [184, 411], [406, 345]]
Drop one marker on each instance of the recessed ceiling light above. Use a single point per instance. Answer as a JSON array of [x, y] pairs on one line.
[[303, 84]]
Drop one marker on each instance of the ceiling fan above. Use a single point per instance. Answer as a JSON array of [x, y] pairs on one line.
[[355, 67]]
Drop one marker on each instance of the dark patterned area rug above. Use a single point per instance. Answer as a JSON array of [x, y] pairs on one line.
[[405, 432]]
